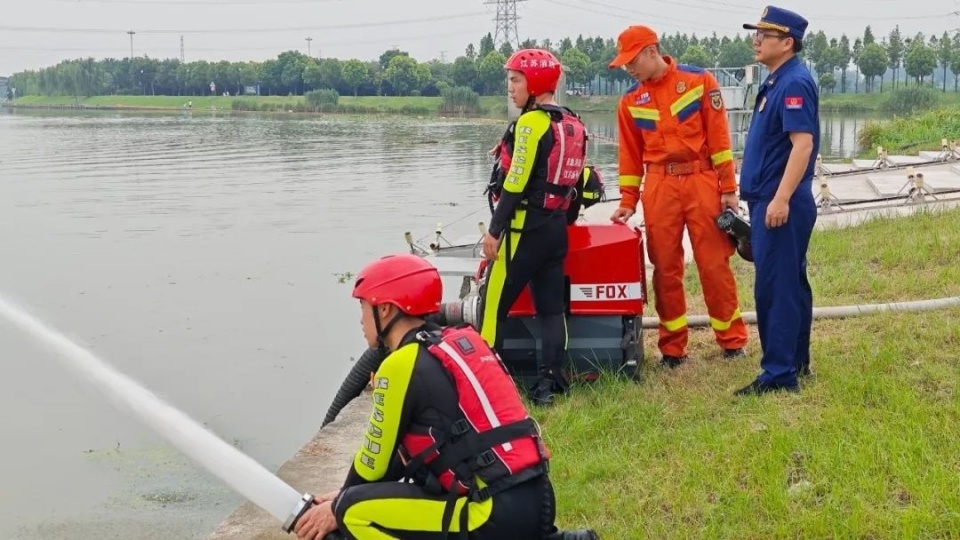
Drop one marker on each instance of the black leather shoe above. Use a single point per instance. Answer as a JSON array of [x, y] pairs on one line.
[[733, 354], [757, 388], [673, 362], [804, 371]]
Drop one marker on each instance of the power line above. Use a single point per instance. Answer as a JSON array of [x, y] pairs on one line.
[[243, 30], [197, 2], [623, 11], [418, 37]]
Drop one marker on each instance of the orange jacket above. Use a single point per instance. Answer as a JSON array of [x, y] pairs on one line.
[[679, 117]]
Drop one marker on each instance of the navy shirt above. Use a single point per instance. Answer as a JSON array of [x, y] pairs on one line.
[[786, 101]]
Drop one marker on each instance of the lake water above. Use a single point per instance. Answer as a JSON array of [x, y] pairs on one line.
[[203, 256]]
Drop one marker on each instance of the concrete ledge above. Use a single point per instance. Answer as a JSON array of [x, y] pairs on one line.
[[319, 467]]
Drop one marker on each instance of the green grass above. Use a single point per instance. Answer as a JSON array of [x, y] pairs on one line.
[[867, 450], [494, 105], [912, 133], [873, 102], [360, 105]]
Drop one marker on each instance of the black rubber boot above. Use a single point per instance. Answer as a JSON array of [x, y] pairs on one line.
[[579, 534]]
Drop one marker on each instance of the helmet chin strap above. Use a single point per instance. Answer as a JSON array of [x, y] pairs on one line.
[[382, 331], [531, 101]]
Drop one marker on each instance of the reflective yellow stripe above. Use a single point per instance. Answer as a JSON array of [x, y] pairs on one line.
[[720, 326], [675, 324], [646, 113], [629, 181], [686, 99], [722, 157], [590, 195]]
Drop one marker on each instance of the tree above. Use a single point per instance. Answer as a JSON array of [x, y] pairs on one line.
[[955, 60], [486, 45], [464, 71], [827, 82], [354, 74], [695, 55], [868, 36], [844, 60], [895, 52], [387, 56], [945, 55], [920, 61], [402, 74], [577, 65], [735, 54], [528, 44], [506, 49], [855, 56], [470, 52], [491, 74], [873, 63], [816, 48]]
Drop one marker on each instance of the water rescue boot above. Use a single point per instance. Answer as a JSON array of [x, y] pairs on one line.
[[579, 534]]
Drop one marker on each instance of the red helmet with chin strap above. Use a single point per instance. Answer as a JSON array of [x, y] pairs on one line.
[[404, 280], [540, 67]]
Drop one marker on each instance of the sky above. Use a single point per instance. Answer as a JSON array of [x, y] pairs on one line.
[[40, 33]]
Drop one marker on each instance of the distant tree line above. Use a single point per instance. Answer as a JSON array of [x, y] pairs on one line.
[[838, 64]]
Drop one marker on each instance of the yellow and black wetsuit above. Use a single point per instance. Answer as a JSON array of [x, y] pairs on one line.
[[412, 389], [533, 249]]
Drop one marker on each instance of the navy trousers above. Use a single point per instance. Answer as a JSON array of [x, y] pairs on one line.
[[784, 300]]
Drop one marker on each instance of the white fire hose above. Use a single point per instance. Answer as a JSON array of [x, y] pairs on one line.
[[834, 312]]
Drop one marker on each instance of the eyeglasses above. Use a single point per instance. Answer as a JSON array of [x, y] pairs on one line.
[[761, 35]]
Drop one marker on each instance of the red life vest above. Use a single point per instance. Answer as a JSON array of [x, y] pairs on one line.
[[493, 439], [564, 164]]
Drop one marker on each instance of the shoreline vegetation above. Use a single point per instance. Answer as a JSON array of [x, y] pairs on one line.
[[907, 119], [456, 102]]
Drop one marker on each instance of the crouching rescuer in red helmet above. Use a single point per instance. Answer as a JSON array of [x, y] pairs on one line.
[[450, 449], [542, 159]]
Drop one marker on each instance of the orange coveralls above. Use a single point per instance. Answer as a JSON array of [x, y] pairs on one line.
[[677, 127]]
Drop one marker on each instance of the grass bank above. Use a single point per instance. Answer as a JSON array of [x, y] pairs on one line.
[[875, 102], [493, 106], [867, 450], [910, 134]]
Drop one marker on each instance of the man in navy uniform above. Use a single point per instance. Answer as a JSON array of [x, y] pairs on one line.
[[775, 181]]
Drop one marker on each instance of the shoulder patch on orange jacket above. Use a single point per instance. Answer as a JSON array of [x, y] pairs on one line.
[[716, 99]]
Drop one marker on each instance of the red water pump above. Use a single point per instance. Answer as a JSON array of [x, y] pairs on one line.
[[605, 299]]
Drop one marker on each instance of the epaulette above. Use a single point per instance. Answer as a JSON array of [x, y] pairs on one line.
[[689, 69]]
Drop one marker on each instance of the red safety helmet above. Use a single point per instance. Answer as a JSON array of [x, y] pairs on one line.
[[404, 280], [540, 67]]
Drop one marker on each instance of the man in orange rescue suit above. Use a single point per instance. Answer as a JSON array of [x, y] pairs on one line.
[[446, 416], [542, 159], [675, 156]]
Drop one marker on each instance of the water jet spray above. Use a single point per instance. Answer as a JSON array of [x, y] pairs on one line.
[[226, 462]]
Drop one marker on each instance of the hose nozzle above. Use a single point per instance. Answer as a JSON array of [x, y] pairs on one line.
[[305, 503]]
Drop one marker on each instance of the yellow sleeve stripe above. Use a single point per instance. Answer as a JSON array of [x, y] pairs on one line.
[[629, 180], [722, 157]]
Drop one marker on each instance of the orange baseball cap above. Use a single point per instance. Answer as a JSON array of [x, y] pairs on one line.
[[630, 42]]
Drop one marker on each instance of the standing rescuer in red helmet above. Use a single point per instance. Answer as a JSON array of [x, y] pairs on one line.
[[675, 141], [447, 418], [542, 158]]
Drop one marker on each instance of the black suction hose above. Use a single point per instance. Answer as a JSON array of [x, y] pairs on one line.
[[356, 381]]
